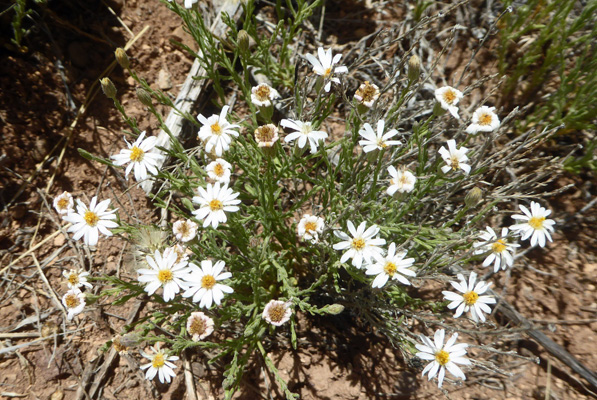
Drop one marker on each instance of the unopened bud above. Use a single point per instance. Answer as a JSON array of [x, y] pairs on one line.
[[473, 197], [122, 58], [91, 298], [108, 88], [414, 68], [243, 40], [335, 309], [124, 342], [144, 97], [438, 111]]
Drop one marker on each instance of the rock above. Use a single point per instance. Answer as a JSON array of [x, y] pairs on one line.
[[164, 80], [59, 240]]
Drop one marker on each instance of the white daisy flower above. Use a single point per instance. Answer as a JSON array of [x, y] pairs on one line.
[[216, 131], [87, 223], [64, 203], [141, 157], [454, 158], [203, 283], [74, 301], [310, 227], [180, 251], [470, 299], [379, 140], [219, 170], [214, 201], [184, 230], [448, 97], [199, 326], [535, 225], [262, 95], [266, 135], [392, 266], [442, 357], [75, 279], [160, 365], [324, 66], [304, 132], [500, 251], [484, 120], [367, 93], [164, 272], [277, 312], [401, 180], [362, 246]]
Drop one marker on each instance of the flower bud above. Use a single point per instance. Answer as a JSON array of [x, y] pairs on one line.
[[335, 309], [108, 88], [144, 97], [122, 58], [243, 40], [91, 298], [473, 197], [414, 68]]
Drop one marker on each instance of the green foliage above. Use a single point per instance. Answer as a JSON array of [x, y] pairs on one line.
[[547, 52]]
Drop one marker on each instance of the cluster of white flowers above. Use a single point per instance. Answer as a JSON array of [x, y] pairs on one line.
[[484, 118], [204, 283], [74, 299], [364, 250]]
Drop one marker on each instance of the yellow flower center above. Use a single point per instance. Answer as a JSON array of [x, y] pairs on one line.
[[536, 222], [262, 93], [136, 154], [485, 119], [158, 361], [367, 92], [72, 301], [208, 281], [310, 226], [498, 246], [390, 268], [276, 312], [91, 218], [358, 244], [327, 72], [470, 298], [63, 203], [73, 278], [215, 205], [219, 170], [404, 179], [454, 163], [442, 357], [449, 96], [197, 327], [165, 275], [216, 129]]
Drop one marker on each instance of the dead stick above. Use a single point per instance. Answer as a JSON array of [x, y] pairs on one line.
[[188, 377], [192, 87], [101, 374], [552, 347]]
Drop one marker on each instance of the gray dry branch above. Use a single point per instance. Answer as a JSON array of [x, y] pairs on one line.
[[192, 87]]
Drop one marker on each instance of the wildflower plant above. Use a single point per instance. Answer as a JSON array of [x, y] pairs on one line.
[[272, 231]]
